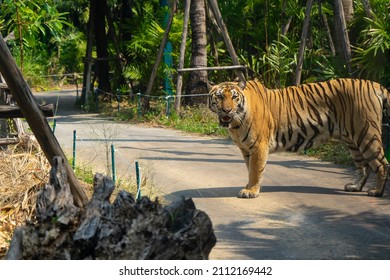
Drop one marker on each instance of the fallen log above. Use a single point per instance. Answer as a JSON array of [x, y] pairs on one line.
[[123, 229], [13, 112]]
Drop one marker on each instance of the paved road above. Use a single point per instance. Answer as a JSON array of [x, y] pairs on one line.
[[302, 212]]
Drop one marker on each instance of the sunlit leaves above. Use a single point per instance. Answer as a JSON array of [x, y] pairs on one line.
[[372, 54], [35, 19]]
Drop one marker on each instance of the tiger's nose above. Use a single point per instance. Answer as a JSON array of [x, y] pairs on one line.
[[227, 110]]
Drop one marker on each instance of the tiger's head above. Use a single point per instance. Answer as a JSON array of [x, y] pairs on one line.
[[227, 100]]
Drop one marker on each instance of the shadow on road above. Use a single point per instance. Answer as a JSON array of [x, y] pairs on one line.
[[159, 140], [336, 235], [219, 192], [207, 192]]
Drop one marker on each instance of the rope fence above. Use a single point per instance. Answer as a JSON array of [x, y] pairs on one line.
[[58, 78], [78, 75], [168, 98]]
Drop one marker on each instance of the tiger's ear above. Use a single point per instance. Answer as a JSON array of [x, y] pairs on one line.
[[242, 84], [209, 85]]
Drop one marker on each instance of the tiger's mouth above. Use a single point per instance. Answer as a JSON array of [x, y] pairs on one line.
[[225, 120]]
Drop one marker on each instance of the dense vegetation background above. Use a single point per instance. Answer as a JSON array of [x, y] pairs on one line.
[[49, 37]]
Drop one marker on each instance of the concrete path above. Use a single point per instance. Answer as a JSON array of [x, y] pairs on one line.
[[302, 212]]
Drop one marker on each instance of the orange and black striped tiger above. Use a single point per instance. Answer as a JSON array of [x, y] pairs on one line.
[[262, 121]]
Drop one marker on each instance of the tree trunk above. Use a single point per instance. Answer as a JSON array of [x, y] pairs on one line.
[[298, 71], [286, 26], [226, 38], [119, 62], [102, 65], [85, 93], [324, 22], [126, 14], [179, 83], [348, 10], [197, 81], [367, 8], [342, 42]]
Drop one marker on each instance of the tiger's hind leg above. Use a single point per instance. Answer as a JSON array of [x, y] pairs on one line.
[[373, 153], [357, 186], [381, 179], [362, 167]]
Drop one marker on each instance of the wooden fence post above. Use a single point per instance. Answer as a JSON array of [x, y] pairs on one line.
[[35, 118]]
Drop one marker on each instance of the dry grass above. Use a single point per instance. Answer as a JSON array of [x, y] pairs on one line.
[[23, 171]]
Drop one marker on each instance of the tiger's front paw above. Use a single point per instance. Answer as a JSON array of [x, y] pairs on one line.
[[249, 192], [352, 188]]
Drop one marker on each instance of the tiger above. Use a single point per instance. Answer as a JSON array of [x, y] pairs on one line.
[[261, 121]]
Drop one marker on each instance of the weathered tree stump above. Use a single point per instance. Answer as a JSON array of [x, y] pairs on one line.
[[124, 229]]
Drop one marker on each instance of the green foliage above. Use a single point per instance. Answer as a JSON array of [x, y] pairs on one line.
[[275, 65], [127, 113], [52, 40], [372, 54], [334, 151], [147, 28], [270, 56], [318, 66], [197, 119], [278, 62], [72, 50], [84, 173], [35, 67], [34, 19], [77, 11], [35, 24], [194, 120]]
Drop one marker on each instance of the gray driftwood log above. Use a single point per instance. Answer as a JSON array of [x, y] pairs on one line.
[[124, 229]]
